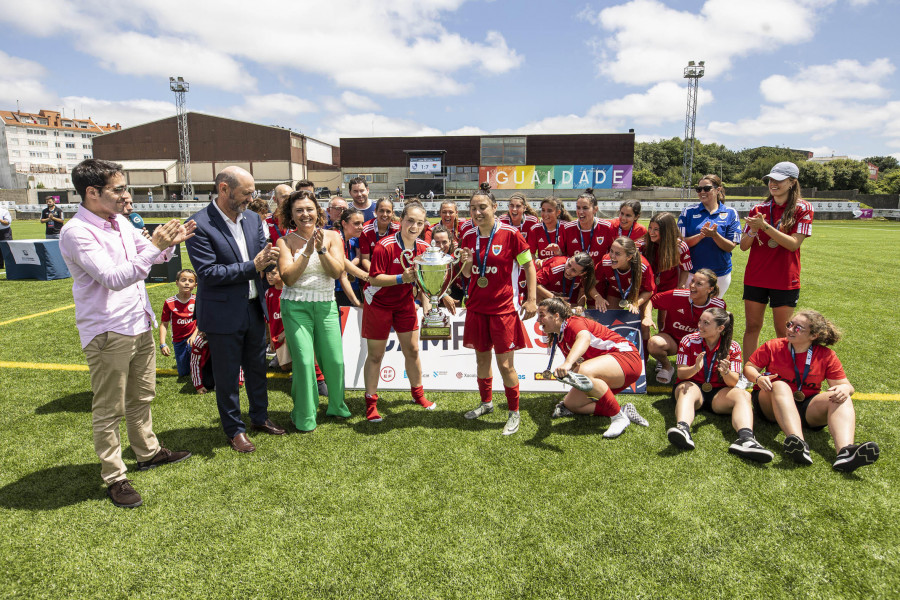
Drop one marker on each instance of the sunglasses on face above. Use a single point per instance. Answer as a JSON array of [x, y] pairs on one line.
[[704, 188]]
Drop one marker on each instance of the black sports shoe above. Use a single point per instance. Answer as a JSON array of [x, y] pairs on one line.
[[748, 447], [323, 389], [797, 450], [854, 456], [680, 436]]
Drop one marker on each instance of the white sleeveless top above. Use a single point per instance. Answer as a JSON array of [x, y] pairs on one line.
[[313, 286]]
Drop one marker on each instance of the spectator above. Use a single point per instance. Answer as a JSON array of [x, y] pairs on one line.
[[179, 311], [359, 191], [53, 217], [5, 229], [336, 208]]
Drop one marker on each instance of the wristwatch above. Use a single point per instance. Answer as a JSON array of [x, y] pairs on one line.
[[161, 346], [321, 250]]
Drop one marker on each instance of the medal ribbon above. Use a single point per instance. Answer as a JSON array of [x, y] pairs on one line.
[[553, 339], [567, 290], [800, 381], [478, 257], [619, 285], [584, 246], [707, 366], [547, 232], [771, 211]]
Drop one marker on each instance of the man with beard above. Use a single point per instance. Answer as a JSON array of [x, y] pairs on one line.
[[229, 251]]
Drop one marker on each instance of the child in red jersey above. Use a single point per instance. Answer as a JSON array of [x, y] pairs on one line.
[[178, 311], [682, 309], [492, 255], [389, 303], [201, 366], [276, 327], [789, 372], [587, 233], [709, 365], [608, 360]]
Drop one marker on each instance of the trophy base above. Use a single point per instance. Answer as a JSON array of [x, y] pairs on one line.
[[434, 332]]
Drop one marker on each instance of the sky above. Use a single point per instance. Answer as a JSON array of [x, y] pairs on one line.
[[818, 75]]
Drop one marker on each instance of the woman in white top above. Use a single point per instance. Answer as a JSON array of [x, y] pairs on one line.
[[311, 259]]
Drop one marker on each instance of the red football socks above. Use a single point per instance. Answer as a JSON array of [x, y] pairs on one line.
[[512, 397], [484, 388], [372, 408], [418, 394], [319, 376], [607, 406]]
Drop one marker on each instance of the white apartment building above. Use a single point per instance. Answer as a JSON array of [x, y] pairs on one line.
[[42, 149]]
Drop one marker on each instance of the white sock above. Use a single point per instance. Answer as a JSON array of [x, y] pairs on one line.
[[617, 425]]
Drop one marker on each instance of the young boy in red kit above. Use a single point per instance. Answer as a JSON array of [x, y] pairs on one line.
[[179, 311]]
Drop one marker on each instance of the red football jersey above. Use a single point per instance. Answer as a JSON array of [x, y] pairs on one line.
[[668, 279], [681, 315], [606, 278], [776, 268], [775, 357], [527, 223], [386, 260], [552, 276], [637, 231], [501, 269], [603, 339], [275, 231], [181, 316], [540, 237], [273, 306], [595, 241], [692, 346], [370, 236]]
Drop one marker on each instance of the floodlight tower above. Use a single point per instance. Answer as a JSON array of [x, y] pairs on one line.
[[180, 87], [693, 73]]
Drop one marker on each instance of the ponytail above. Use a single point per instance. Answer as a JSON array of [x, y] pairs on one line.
[[722, 317]]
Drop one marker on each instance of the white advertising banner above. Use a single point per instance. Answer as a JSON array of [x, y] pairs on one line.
[[448, 365], [23, 253]]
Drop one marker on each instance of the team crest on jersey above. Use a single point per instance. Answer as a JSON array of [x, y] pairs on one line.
[[496, 248], [600, 239], [190, 308]]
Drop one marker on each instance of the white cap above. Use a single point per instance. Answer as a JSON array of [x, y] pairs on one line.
[[783, 170]]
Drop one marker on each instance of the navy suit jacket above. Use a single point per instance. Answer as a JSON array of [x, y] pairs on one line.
[[222, 290]]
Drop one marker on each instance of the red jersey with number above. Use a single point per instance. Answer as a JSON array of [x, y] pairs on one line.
[[668, 279], [528, 221], [541, 239], [181, 316], [606, 278], [776, 268], [595, 241], [370, 236], [636, 233], [692, 346], [775, 357], [273, 307], [603, 339], [552, 276], [501, 269], [681, 315], [386, 261]]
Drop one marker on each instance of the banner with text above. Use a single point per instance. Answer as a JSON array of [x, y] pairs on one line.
[[448, 365], [567, 177]]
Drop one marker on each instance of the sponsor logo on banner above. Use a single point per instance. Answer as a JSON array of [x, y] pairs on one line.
[[388, 373], [540, 377]]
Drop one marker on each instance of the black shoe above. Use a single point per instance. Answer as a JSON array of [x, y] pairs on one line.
[[163, 457], [323, 389], [748, 447], [123, 495], [854, 456], [797, 450], [680, 436]]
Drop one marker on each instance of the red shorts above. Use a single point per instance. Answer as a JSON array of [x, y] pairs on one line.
[[632, 366], [502, 333], [377, 321]]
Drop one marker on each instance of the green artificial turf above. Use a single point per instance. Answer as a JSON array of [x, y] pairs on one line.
[[430, 505]]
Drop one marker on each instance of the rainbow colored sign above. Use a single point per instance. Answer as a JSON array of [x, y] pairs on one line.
[[568, 177]]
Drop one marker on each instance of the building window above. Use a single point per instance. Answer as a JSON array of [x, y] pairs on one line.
[[69, 135], [72, 156], [466, 173], [503, 150], [88, 156], [70, 145], [13, 152]]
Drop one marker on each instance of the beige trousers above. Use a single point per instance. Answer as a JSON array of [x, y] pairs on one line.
[[123, 378]]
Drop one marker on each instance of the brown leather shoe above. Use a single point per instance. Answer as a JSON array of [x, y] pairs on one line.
[[241, 443], [123, 495], [163, 457], [267, 427]]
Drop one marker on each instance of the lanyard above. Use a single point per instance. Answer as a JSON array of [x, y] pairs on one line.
[[708, 364], [547, 232], [567, 291], [553, 339], [378, 236], [478, 257], [629, 231], [625, 294], [584, 246], [801, 381], [771, 211]]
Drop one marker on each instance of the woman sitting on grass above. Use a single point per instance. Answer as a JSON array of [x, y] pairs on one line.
[[608, 360], [709, 364], [788, 373]]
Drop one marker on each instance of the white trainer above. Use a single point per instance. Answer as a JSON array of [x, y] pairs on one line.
[[618, 424], [512, 423]]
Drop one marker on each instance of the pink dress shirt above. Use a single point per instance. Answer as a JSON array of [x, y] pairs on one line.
[[109, 260]]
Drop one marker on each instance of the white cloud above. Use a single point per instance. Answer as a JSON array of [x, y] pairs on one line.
[[125, 112], [649, 42], [257, 107], [20, 81], [843, 79], [664, 102], [366, 124], [358, 101]]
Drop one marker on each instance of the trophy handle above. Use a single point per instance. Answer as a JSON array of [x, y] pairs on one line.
[[406, 258], [457, 257]]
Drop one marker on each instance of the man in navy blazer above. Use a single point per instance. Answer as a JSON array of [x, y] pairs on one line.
[[228, 252]]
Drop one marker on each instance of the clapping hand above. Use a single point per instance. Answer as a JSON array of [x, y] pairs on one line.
[[267, 256]]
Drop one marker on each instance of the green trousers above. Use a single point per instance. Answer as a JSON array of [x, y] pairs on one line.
[[313, 332]]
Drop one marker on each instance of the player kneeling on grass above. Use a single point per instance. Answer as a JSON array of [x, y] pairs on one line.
[[709, 364], [788, 373], [610, 363]]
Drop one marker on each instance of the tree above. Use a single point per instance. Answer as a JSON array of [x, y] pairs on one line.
[[889, 184], [884, 163], [816, 175], [849, 174], [645, 177]]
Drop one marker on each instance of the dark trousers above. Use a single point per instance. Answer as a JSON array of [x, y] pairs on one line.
[[245, 348], [5, 234]]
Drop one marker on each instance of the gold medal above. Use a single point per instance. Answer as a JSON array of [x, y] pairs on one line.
[[623, 303], [799, 396], [547, 374], [482, 281], [773, 244], [706, 387]]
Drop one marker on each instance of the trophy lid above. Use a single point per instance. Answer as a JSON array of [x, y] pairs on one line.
[[433, 256]]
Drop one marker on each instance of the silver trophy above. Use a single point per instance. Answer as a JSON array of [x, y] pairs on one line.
[[434, 276]]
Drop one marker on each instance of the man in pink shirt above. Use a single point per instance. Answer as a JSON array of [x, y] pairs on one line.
[[109, 260]]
